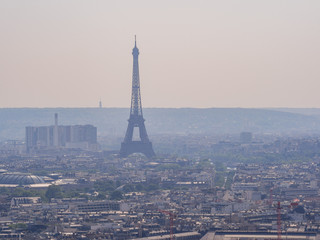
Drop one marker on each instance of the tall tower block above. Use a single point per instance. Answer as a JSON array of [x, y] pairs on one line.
[[56, 131], [136, 119]]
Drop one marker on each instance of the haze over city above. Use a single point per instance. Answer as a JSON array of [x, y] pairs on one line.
[[160, 120], [192, 53]]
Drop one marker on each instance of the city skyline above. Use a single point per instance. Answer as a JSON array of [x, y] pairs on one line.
[[194, 54]]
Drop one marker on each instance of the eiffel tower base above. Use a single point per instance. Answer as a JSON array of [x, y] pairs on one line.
[[128, 148]]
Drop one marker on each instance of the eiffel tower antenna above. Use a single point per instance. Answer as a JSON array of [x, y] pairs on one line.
[[136, 120]]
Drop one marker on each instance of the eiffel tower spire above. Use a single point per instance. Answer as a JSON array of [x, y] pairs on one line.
[[136, 108], [136, 120]]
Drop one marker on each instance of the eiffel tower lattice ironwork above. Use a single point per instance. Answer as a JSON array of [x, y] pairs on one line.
[[136, 120]]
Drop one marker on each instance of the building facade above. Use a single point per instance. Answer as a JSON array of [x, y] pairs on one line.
[[75, 136]]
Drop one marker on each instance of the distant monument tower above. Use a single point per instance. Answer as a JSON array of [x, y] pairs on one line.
[[128, 146]]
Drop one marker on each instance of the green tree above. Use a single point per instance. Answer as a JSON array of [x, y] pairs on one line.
[[104, 185], [101, 196], [53, 191], [128, 188], [139, 187], [152, 187], [116, 195], [219, 166]]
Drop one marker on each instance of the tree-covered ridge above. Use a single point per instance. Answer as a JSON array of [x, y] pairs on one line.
[[113, 121]]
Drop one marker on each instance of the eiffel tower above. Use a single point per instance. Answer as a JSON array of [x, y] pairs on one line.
[[136, 120]]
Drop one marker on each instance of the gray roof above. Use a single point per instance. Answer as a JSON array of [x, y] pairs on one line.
[[20, 179]]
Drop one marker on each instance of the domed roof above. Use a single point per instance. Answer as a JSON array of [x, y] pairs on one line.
[[19, 178]]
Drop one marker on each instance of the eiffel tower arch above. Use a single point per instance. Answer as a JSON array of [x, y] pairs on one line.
[[136, 120]]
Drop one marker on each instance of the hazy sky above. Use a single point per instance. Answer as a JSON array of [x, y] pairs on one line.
[[199, 53]]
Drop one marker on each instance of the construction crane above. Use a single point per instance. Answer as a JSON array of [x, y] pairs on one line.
[[171, 216], [279, 220]]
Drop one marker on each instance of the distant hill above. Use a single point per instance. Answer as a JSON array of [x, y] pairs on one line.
[[304, 111], [113, 121]]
